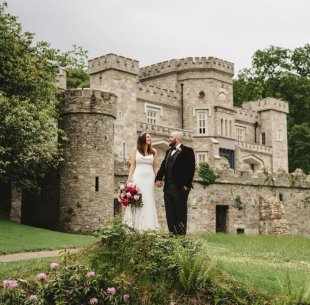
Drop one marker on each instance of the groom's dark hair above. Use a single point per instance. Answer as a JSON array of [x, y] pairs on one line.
[[141, 142]]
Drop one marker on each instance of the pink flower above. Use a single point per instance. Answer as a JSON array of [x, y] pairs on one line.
[[111, 290], [122, 186], [128, 195], [9, 284], [93, 301], [136, 197], [33, 297], [54, 266], [41, 276], [126, 297], [91, 273]]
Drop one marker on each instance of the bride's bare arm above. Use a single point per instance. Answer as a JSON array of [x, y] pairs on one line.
[[132, 164], [155, 163]]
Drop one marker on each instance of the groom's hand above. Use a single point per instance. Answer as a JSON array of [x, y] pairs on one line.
[[158, 183]]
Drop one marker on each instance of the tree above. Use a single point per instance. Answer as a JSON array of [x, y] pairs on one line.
[[77, 76], [28, 105], [299, 138], [284, 74]]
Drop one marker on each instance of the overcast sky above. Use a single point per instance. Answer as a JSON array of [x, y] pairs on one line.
[[152, 31]]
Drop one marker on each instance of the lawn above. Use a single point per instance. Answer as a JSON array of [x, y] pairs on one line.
[[21, 238], [262, 261], [25, 268]]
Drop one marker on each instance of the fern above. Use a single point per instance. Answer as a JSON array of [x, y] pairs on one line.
[[193, 269], [301, 297]]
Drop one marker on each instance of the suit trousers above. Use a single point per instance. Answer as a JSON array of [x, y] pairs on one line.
[[176, 209]]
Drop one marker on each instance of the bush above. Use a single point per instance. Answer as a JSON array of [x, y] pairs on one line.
[[206, 173]]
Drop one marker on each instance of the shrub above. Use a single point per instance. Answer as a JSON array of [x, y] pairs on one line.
[[206, 173]]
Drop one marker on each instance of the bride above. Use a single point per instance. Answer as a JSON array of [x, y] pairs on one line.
[[142, 172]]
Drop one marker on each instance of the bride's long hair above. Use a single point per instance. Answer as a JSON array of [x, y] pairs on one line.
[[141, 142]]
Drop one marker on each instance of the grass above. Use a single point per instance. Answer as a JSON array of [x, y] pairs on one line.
[[258, 262], [16, 238], [262, 261], [25, 268]]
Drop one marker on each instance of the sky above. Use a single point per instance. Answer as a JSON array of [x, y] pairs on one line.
[[153, 31]]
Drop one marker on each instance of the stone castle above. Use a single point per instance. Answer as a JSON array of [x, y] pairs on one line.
[[247, 147], [194, 95]]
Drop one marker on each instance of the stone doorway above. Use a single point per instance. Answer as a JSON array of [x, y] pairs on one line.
[[221, 218]]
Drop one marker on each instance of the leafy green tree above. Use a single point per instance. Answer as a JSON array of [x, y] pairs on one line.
[[284, 74], [77, 76], [28, 105], [299, 138]]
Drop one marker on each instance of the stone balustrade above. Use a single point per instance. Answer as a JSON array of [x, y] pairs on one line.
[[255, 147], [162, 130]]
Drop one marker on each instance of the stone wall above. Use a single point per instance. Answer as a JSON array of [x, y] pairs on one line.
[[244, 203]]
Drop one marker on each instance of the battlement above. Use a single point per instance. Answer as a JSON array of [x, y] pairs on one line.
[[189, 63], [297, 179], [160, 95], [61, 79], [113, 61], [267, 104], [87, 101], [249, 116]]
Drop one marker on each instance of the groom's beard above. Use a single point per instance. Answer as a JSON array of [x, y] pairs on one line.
[[172, 144]]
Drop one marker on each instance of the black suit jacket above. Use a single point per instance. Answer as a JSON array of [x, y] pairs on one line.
[[183, 168]]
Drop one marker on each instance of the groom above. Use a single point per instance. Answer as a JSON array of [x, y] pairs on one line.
[[178, 168]]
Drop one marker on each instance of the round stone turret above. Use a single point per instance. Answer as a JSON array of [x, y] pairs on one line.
[[87, 172]]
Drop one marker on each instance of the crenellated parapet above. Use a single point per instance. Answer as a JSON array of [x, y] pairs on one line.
[[248, 116], [297, 179], [189, 63], [267, 104], [159, 95], [87, 101], [113, 61], [61, 79]]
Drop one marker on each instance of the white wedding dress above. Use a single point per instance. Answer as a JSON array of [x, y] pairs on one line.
[[144, 218]]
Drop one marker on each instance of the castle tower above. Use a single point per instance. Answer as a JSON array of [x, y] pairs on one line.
[[273, 127], [205, 87], [208, 110], [87, 172], [119, 75]]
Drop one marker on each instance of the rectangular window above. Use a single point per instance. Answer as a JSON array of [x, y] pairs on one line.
[[119, 115], [202, 122], [263, 138], [202, 157], [97, 184], [152, 116], [280, 135], [240, 134]]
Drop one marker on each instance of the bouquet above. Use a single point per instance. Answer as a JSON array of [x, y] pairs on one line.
[[129, 194]]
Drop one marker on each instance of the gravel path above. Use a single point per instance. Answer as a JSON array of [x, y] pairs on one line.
[[30, 255]]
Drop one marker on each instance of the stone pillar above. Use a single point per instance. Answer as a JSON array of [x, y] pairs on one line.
[[16, 204], [87, 172]]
